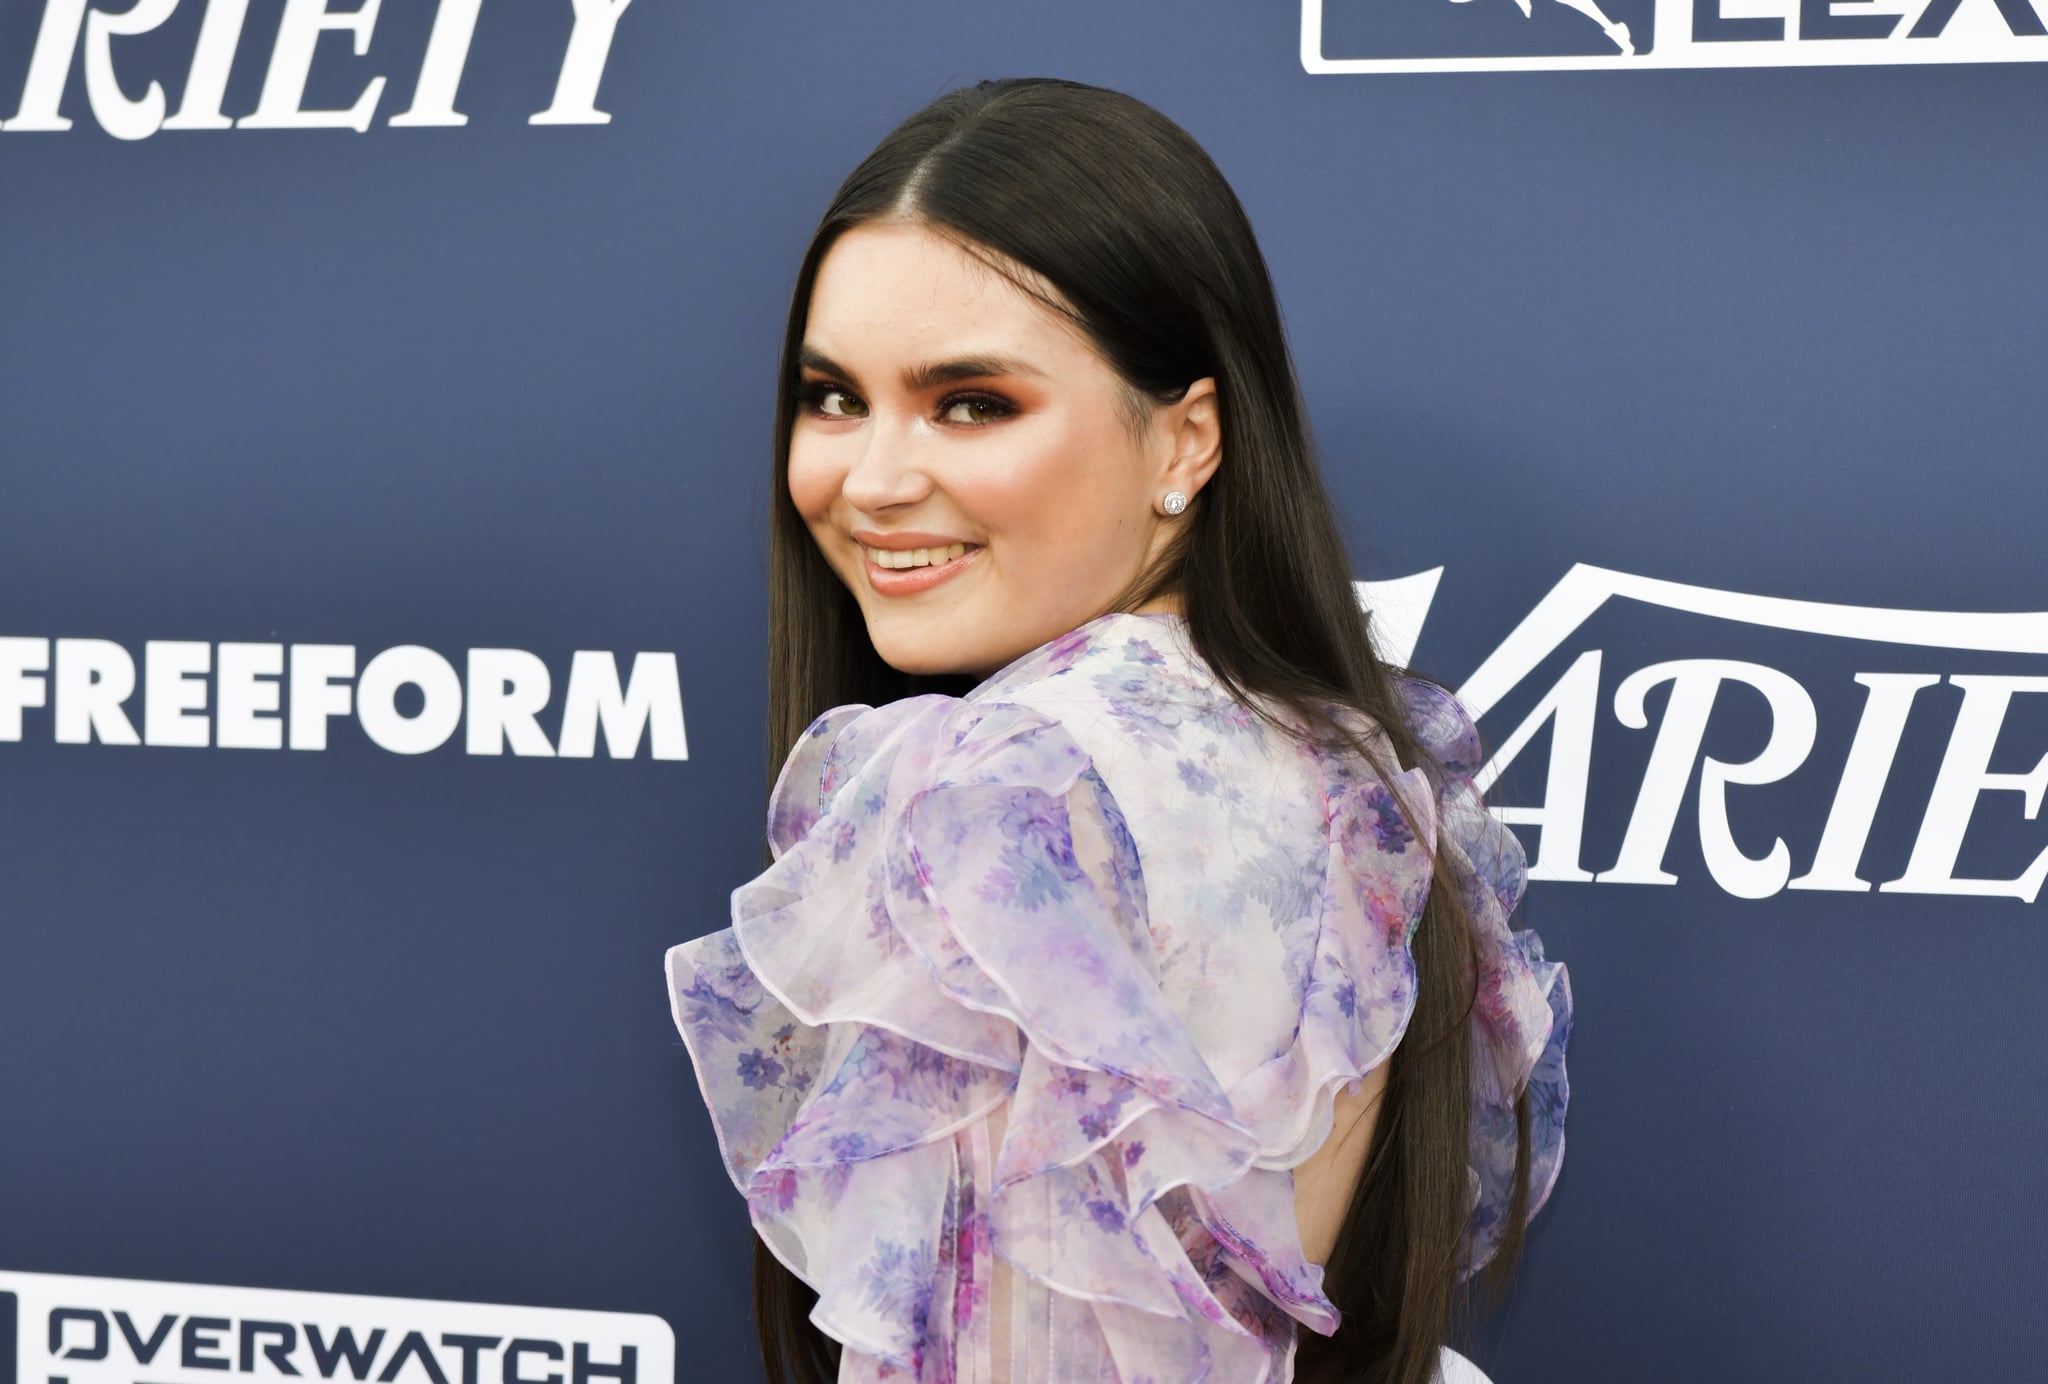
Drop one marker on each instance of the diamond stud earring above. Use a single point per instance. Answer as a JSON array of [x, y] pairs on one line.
[[1175, 502]]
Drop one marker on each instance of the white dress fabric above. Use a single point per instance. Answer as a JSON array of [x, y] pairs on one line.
[[1454, 1368]]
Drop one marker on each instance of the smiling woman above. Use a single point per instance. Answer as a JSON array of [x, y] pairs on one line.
[[934, 385], [1132, 985]]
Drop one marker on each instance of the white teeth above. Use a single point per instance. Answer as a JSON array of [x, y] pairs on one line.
[[914, 557]]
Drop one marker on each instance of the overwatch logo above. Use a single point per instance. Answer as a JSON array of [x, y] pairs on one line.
[[1936, 682], [57, 1329], [1553, 35]]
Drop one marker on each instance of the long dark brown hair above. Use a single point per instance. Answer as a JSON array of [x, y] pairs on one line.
[[1146, 248]]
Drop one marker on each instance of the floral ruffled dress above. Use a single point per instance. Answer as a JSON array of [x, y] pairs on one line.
[[1100, 897]]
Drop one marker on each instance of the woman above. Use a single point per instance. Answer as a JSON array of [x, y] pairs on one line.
[[1132, 984]]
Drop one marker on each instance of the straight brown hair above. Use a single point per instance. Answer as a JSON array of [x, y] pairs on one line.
[[1146, 248]]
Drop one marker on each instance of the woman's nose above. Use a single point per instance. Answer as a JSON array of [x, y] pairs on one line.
[[888, 468]]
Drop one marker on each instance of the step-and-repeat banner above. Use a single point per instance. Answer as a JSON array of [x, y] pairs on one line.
[[383, 469]]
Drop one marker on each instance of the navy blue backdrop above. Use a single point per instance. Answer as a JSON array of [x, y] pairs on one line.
[[361, 1020]]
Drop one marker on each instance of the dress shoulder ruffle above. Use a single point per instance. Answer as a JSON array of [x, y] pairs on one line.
[[1523, 1015], [956, 918]]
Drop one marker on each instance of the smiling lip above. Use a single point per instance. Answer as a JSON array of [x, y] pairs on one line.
[[908, 581]]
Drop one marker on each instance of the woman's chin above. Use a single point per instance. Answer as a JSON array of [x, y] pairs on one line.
[[937, 648]]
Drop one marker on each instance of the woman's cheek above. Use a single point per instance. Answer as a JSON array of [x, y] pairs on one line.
[[1025, 495], [813, 482]]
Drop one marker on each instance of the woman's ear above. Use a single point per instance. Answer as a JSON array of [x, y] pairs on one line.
[[1194, 424]]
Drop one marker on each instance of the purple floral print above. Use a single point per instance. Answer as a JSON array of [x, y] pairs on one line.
[[758, 1071], [1102, 898]]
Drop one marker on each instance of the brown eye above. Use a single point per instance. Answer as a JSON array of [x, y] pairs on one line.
[[837, 403], [975, 409]]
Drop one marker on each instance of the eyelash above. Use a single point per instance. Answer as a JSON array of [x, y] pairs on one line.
[[812, 394]]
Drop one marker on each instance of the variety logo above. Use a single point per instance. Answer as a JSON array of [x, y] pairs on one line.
[[240, 696], [1964, 790], [1497, 35], [66, 24], [58, 1329]]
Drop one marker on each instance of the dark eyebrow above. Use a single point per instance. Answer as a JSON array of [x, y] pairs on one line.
[[818, 363], [933, 374], [930, 375]]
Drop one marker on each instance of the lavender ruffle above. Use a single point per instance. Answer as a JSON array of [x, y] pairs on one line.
[[1163, 987]]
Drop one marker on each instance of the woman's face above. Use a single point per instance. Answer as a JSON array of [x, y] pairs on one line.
[[947, 418]]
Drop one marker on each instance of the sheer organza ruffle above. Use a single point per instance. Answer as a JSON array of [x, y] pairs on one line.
[[957, 917]]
